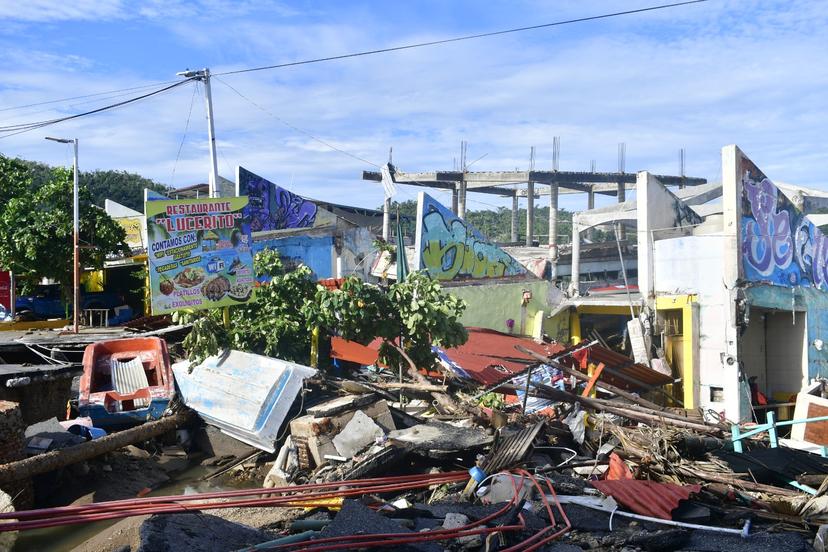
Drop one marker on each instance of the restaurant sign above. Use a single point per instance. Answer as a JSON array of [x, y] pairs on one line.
[[199, 256]]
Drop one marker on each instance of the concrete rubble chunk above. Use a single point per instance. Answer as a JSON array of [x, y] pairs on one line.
[[455, 521], [441, 436], [357, 434]]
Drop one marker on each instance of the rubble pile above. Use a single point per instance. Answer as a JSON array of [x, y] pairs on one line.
[[507, 444]]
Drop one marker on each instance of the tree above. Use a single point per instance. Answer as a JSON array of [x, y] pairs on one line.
[[121, 186], [279, 322], [36, 226]]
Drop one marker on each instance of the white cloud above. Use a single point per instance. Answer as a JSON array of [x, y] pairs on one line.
[[60, 10], [697, 79]]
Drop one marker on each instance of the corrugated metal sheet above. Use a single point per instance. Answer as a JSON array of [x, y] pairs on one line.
[[648, 498], [510, 451], [353, 351], [128, 377], [489, 357], [620, 363]]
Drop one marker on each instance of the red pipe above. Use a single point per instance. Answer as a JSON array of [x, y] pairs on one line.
[[388, 539], [127, 508], [51, 512]]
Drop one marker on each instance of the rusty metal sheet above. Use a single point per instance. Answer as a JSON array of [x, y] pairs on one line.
[[353, 351], [646, 376], [648, 498], [489, 357]]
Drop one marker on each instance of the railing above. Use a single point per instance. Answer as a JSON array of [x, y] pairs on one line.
[[737, 435]]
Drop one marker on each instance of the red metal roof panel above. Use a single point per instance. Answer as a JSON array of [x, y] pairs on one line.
[[648, 498]]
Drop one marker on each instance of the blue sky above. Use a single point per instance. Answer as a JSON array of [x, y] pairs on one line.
[[697, 77]]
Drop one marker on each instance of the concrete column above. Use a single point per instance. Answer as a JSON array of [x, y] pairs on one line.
[[732, 171], [461, 200], [576, 257], [386, 219], [454, 194], [644, 224], [553, 220], [590, 206], [514, 219], [530, 212], [622, 197]]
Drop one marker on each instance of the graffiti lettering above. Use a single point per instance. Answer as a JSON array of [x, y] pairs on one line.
[[767, 244], [271, 207], [779, 244], [450, 249]]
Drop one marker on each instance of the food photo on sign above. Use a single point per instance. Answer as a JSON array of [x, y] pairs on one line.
[[199, 257]]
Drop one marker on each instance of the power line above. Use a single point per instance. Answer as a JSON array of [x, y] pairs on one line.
[[184, 136], [131, 89], [294, 127], [12, 130], [462, 38]]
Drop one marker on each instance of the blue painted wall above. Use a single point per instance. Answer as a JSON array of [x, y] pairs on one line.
[[316, 252], [807, 301]]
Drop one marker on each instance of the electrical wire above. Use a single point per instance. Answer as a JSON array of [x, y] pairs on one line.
[[462, 38], [294, 127], [12, 130], [117, 92], [184, 136]]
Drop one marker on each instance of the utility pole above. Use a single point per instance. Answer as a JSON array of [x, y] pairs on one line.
[[75, 237], [204, 76]]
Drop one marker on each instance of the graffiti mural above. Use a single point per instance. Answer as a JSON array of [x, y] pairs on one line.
[[779, 244], [450, 249], [272, 208]]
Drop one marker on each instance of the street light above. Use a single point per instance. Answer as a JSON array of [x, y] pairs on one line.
[[76, 219]]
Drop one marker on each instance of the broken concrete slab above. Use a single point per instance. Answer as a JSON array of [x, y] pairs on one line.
[[357, 434], [314, 435], [440, 436]]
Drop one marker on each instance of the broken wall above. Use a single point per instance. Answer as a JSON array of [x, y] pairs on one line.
[[695, 265]]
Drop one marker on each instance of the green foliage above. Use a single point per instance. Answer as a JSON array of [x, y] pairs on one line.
[[417, 309], [121, 186], [272, 325], [36, 226], [280, 321], [492, 400]]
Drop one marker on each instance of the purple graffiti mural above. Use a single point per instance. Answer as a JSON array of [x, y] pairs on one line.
[[272, 207], [779, 244], [767, 243]]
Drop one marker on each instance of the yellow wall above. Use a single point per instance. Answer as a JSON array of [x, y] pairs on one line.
[[684, 347], [93, 280]]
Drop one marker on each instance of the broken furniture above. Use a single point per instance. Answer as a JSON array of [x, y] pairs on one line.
[[125, 381]]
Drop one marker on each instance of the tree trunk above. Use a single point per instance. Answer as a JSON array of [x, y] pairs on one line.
[[42, 463]]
